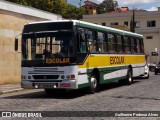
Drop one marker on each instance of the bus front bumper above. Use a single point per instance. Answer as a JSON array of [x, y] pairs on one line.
[[69, 84]]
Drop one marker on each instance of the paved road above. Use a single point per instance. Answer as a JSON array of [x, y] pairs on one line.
[[143, 95]]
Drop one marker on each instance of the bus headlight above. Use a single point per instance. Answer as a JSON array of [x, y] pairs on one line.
[[62, 77], [73, 76], [68, 76], [23, 77]]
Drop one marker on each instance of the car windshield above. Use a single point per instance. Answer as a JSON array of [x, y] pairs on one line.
[[38, 46]]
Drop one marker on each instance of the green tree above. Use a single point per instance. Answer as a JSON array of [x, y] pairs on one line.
[[80, 12], [55, 6], [59, 6], [72, 12], [107, 6], [22, 2]]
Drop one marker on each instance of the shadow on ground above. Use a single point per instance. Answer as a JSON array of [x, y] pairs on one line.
[[63, 95]]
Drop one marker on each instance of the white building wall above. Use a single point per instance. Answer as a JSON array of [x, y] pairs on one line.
[[12, 19]]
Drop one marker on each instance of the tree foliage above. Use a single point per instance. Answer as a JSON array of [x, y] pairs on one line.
[[55, 6], [73, 12], [107, 6]]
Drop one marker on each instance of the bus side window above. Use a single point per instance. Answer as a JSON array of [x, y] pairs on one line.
[[119, 44], [141, 46], [133, 45], [127, 45], [82, 43], [101, 42], [112, 44], [81, 40], [138, 45], [91, 42]]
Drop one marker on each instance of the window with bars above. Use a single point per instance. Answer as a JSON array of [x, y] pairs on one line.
[[151, 23]]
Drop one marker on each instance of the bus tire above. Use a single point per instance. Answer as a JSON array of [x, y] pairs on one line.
[[129, 79], [93, 84]]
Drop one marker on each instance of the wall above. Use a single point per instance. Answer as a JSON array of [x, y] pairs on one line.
[[12, 19]]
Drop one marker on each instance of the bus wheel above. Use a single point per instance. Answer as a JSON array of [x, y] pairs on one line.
[[93, 85], [129, 79]]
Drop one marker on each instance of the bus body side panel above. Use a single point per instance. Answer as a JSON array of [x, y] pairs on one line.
[[108, 72], [116, 73], [138, 64], [111, 67], [142, 63]]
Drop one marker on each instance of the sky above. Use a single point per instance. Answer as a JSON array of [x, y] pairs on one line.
[[150, 5]]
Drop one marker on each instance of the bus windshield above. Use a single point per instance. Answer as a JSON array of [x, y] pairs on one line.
[[42, 45]]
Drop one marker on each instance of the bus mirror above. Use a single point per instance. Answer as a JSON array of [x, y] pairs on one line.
[[16, 44]]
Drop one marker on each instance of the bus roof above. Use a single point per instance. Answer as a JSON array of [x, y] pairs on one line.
[[94, 26], [104, 28]]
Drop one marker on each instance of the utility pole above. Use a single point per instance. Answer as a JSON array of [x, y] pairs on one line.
[[132, 23], [133, 20], [80, 3]]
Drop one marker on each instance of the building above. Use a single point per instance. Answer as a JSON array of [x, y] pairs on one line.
[[90, 7], [147, 23], [13, 17]]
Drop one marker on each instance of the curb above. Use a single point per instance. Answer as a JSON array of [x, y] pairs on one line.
[[11, 91]]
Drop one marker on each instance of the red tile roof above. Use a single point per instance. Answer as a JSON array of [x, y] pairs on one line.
[[125, 10], [89, 3]]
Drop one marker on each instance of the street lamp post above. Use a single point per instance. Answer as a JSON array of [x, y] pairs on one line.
[[80, 3]]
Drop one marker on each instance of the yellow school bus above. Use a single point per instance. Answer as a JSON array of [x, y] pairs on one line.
[[72, 54]]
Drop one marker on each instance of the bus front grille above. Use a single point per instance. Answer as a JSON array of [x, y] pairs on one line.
[[38, 77], [45, 71]]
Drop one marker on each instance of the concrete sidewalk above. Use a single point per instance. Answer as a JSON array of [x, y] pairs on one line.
[[8, 88]]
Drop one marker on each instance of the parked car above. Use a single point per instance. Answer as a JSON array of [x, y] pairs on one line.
[[152, 67], [157, 68]]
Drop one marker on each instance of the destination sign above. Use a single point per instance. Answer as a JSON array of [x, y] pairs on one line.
[[116, 60], [57, 60]]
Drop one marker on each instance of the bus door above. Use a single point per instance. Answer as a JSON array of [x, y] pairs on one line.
[[82, 56]]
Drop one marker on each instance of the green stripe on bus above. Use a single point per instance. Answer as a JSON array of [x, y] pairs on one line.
[[83, 85], [107, 70], [104, 82], [104, 71]]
